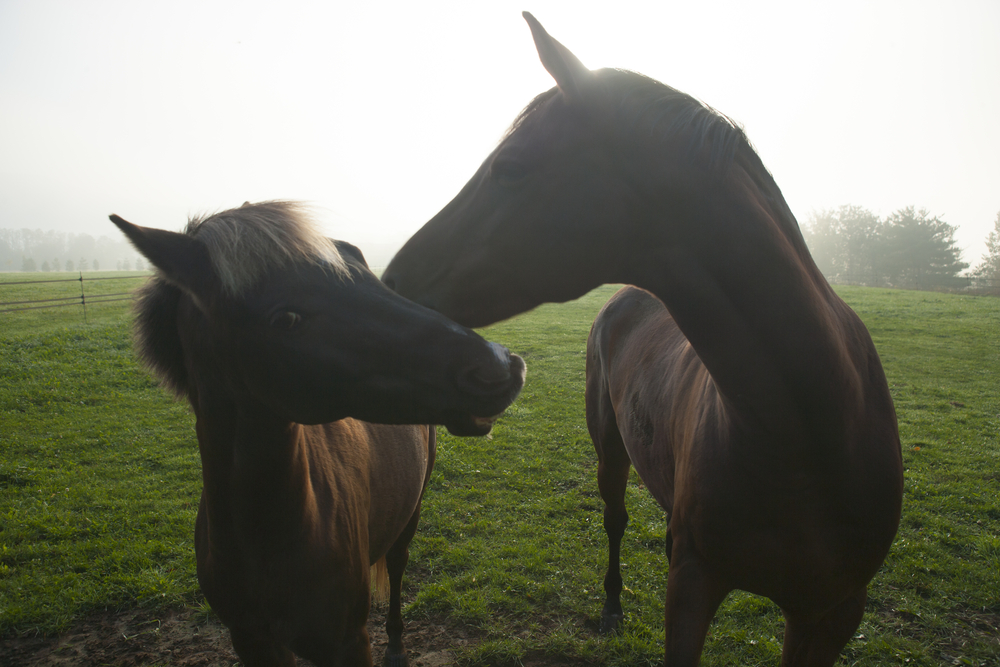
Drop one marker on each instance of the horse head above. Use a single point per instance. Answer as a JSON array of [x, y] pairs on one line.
[[299, 325]]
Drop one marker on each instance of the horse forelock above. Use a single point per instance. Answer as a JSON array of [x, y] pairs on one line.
[[245, 243]]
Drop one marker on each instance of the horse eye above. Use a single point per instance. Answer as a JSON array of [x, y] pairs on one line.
[[286, 320], [507, 172]]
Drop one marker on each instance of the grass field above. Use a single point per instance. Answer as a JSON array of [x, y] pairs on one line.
[[99, 481]]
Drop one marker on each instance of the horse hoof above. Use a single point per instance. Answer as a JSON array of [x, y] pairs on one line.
[[610, 623], [397, 660]]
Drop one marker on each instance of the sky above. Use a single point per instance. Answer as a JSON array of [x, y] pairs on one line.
[[377, 113]]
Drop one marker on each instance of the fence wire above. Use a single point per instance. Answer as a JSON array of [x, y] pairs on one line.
[[81, 300]]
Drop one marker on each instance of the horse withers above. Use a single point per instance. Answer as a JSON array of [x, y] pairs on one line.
[[747, 395], [283, 341]]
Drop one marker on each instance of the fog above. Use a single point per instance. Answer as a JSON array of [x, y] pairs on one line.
[[377, 113]]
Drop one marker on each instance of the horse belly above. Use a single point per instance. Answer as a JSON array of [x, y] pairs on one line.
[[399, 467], [636, 357], [666, 414]]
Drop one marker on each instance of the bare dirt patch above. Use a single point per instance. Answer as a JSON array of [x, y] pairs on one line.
[[186, 639]]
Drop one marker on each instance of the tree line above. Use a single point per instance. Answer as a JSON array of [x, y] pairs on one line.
[[986, 275], [37, 250], [909, 249]]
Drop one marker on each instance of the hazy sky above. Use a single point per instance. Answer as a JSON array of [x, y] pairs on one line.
[[379, 112]]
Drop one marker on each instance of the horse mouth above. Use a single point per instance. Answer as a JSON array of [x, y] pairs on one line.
[[473, 426]]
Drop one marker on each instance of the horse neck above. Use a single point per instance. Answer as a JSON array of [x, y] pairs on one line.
[[253, 462], [752, 304]]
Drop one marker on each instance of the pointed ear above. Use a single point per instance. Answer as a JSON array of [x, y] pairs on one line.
[[348, 250], [182, 260], [570, 74]]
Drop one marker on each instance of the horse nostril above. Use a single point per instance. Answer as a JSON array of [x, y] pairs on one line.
[[490, 374]]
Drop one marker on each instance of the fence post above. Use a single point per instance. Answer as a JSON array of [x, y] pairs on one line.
[[83, 300]]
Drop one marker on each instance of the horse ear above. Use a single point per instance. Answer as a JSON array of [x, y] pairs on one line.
[[570, 74], [345, 248], [181, 259]]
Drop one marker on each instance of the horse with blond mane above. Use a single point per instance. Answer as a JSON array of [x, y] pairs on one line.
[[283, 341]]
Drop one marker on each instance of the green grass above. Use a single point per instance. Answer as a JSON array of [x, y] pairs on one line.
[[99, 479]]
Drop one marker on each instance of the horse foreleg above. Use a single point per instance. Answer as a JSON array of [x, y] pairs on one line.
[[818, 643], [692, 600], [257, 647], [395, 562]]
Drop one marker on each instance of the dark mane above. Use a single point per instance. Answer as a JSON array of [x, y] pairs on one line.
[[244, 243], [157, 341], [649, 110], [533, 106], [653, 110]]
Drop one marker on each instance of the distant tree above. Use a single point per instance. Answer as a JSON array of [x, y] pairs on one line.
[[69, 265], [28, 264], [920, 251], [45, 266], [846, 244], [96, 265], [56, 265], [986, 275], [126, 265], [83, 265], [139, 266]]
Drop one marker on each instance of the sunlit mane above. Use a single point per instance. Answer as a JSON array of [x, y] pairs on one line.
[[246, 242]]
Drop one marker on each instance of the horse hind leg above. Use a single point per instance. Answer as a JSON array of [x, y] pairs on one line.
[[612, 480], [615, 521], [818, 642]]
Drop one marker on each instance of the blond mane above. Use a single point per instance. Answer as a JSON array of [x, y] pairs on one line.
[[247, 242]]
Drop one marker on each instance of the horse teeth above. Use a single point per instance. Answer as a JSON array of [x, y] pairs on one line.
[[485, 421]]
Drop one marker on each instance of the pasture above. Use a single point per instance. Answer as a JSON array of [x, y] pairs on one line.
[[100, 478]]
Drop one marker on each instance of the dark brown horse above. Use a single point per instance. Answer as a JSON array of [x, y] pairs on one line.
[[747, 395], [281, 340]]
